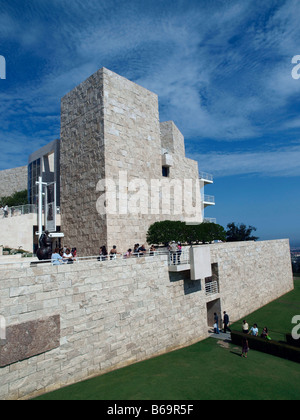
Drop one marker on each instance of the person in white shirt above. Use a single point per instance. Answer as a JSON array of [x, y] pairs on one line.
[[254, 330], [68, 257], [173, 251], [5, 211]]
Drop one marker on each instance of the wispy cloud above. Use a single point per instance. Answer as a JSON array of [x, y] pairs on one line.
[[221, 69], [281, 162]]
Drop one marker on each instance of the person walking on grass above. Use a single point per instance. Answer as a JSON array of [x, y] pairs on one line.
[[245, 347]]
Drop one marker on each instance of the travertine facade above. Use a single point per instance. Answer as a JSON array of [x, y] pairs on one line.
[[110, 128], [13, 180], [118, 312]]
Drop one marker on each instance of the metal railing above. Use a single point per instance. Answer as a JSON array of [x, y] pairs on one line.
[[211, 287], [209, 220], [179, 257], [206, 176], [21, 210], [210, 199], [173, 258]]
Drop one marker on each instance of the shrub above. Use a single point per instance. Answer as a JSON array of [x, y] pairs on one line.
[[291, 341], [167, 230], [19, 198]]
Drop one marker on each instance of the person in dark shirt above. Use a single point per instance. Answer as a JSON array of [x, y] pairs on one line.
[[226, 322]]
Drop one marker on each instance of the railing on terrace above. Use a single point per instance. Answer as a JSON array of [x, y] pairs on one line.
[[208, 198], [211, 287], [210, 220], [176, 258], [24, 209], [206, 176]]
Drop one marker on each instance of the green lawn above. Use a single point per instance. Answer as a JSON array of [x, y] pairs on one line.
[[208, 370]]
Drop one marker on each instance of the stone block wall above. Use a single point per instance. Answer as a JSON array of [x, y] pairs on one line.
[[105, 315], [112, 314], [110, 130], [13, 180], [251, 274], [82, 165], [132, 145]]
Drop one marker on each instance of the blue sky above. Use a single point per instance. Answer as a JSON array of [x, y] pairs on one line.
[[221, 70]]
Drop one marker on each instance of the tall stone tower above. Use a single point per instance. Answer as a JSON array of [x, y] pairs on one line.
[[111, 136]]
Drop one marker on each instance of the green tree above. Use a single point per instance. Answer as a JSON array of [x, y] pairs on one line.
[[240, 232], [167, 231], [17, 199], [212, 232]]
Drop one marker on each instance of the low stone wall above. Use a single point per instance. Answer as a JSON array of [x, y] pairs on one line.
[[252, 274], [67, 323]]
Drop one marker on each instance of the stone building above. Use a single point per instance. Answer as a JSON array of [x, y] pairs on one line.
[[121, 169], [13, 180], [117, 169]]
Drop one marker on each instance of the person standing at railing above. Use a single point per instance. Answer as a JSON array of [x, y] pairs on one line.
[[5, 211], [102, 253], [74, 253], [152, 250], [179, 252], [56, 258], [173, 248], [128, 254], [68, 257], [142, 251], [113, 253]]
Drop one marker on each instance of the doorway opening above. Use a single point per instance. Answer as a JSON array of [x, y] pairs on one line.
[[213, 307]]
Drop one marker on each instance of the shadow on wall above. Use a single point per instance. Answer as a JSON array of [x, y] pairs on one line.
[[189, 286]]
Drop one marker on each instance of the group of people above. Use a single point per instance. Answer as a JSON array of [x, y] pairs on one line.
[[254, 330], [175, 249], [255, 333], [225, 323], [245, 328], [138, 251], [63, 256]]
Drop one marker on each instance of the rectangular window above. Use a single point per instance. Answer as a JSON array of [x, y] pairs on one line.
[[165, 171]]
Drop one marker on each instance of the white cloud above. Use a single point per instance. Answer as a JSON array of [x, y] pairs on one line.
[[282, 162], [222, 70]]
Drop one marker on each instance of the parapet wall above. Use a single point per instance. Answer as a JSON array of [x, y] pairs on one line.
[[67, 323]]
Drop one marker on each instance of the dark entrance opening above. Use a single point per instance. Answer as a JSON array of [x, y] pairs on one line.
[[212, 307]]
